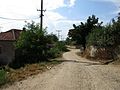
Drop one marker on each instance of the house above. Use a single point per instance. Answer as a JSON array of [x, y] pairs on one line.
[[7, 50]]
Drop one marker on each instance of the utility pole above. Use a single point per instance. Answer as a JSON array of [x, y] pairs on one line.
[[41, 15], [58, 31], [62, 38]]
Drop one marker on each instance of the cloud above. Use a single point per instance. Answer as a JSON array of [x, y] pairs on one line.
[[54, 16], [27, 9], [63, 25], [54, 4], [116, 2], [24, 8], [72, 3], [106, 0]]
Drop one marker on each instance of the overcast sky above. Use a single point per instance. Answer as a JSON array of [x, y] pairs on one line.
[[60, 14]]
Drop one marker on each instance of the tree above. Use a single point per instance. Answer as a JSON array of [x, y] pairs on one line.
[[80, 32], [52, 38], [115, 29], [107, 36], [100, 37], [32, 44]]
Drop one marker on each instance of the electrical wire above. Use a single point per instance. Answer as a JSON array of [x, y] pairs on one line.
[[16, 19]]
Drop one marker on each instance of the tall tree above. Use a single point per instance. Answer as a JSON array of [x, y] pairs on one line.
[[80, 32], [31, 46]]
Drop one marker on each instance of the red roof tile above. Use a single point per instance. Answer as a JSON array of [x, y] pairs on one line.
[[12, 34]]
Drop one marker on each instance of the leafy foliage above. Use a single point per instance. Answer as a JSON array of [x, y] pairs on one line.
[[35, 45], [57, 50], [32, 42], [52, 39], [31, 47], [108, 36], [100, 37], [80, 32], [2, 77], [92, 33]]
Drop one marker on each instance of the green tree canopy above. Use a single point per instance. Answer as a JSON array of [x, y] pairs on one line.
[[107, 36], [80, 32], [32, 43]]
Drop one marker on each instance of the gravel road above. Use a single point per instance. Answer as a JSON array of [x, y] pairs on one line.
[[74, 73]]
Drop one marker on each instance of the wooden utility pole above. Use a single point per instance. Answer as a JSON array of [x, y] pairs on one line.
[[41, 15]]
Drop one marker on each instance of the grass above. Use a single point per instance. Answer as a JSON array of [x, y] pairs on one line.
[[14, 75], [30, 70], [3, 79]]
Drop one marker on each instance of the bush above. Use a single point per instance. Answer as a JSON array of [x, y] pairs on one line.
[[53, 52], [107, 36], [100, 37], [57, 50], [2, 77], [61, 46], [31, 47]]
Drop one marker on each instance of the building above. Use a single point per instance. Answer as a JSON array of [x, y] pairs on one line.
[[7, 49]]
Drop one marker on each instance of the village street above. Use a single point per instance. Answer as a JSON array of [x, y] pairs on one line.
[[74, 73]]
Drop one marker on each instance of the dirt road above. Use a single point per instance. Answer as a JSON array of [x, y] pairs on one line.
[[74, 73]]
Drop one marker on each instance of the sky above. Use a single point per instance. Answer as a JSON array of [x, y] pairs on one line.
[[59, 15]]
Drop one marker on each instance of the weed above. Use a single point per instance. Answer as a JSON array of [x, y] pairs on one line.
[[3, 79]]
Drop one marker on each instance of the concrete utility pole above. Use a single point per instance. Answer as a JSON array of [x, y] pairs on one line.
[[58, 31], [41, 15]]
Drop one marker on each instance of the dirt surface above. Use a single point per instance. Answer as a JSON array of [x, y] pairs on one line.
[[74, 73]]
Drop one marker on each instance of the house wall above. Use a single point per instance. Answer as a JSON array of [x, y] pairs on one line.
[[7, 53]]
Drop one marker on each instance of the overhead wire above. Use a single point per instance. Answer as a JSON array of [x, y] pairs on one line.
[[17, 19], [10, 20]]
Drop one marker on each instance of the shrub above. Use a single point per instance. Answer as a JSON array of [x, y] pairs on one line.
[[31, 46], [2, 77], [53, 52], [100, 37], [56, 51], [62, 46]]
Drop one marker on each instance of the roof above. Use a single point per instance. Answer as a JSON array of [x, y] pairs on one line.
[[12, 34]]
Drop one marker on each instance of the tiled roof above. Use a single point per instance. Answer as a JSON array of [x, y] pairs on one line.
[[12, 34]]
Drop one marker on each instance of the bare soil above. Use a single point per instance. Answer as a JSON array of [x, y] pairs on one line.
[[75, 73]]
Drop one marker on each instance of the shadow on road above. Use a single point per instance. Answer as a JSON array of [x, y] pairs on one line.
[[81, 62]]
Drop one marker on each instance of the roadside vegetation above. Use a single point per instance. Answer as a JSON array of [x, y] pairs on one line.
[[104, 38], [35, 53], [35, 46], [3, 78]]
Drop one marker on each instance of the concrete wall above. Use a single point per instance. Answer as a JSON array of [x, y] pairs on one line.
[[7, 52]]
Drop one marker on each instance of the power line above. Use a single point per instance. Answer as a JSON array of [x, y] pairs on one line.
[[15, 19]]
